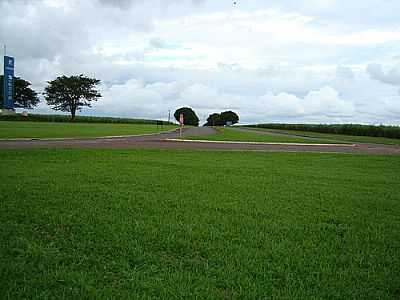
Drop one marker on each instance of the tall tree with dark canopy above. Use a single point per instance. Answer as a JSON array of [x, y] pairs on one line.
[[189, 116], [70, 94], [229, 116], [222, 119], [214, 120], [24, 96]]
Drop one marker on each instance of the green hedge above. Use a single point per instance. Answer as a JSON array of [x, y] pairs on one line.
[[78, 119], [348, 129]]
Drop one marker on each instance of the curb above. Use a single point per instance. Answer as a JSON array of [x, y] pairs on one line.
[[259, 143]]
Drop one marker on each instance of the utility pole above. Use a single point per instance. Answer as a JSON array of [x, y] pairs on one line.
[[169, 116]]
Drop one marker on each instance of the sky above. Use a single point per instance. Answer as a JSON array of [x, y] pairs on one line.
[[297, 61]]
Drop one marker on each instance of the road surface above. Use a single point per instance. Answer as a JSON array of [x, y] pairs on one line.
[[162, 141]]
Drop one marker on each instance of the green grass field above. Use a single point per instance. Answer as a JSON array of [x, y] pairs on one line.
[[16, 129], [227, 134], [78, 119], [153, 224], [339, 137]]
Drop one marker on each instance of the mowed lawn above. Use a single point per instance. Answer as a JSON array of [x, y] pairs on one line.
[[153, 224], [17, 129], [333, 137], [228, 134]]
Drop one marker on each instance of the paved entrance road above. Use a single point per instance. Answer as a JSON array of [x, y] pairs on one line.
[[160, 141]]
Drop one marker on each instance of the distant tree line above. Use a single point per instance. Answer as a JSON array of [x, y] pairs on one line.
[[348, 129]]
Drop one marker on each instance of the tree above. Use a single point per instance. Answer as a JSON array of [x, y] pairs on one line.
[[229, 116], [189, 116], [214, 120], [70, 94], [24, 96], [222, 119]]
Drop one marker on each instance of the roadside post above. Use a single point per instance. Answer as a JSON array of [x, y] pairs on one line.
[[181, 121]]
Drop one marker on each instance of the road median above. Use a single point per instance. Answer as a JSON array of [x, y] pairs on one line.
[[260, 143]]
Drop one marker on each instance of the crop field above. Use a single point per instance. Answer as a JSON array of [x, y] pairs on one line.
[[163, 224], [18, 129], [227, 134], [392, 132], [339, 137]]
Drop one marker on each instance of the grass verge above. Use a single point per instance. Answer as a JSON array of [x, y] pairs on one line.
[[14, 129], [78, 119], [144, 224]]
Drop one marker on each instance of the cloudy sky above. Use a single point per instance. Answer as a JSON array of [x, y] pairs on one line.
[[270, 60]]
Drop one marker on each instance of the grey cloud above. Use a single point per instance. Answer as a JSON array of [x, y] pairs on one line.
[[123, 4], [343, 72], [157, 43], [390, 76], [119, 3], [358, 13]]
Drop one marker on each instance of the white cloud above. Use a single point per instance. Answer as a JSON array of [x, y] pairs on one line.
[[323, 103], [154, 100]]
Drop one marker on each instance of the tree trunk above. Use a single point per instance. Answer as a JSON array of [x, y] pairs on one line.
[[73, 112]]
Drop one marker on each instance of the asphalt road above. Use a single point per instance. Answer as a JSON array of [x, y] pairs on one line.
[[162, 141]]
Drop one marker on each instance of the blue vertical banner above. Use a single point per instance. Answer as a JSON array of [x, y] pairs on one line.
[[8, 101]]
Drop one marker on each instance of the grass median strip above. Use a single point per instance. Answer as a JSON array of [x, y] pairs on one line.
[[257, 143], [228, 134], [192, 224]]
